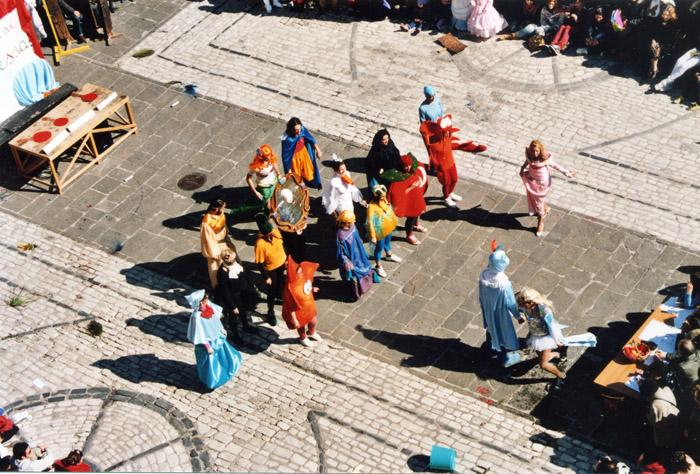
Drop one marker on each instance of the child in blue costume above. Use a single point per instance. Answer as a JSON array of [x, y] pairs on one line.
[[545, 333], [498, 306], [353, 261], [217, 361]]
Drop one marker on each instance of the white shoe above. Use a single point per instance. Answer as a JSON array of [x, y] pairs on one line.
[[393, 258], [455, 197], [450, 203], [306, 343], [277, 4], [315, 337], [380, 271], [663, 86], [268, 8], [582, 51]]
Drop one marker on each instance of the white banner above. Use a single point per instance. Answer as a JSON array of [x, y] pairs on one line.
[[15, 51]]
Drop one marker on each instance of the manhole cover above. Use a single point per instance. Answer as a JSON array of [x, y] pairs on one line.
[[192, 181]]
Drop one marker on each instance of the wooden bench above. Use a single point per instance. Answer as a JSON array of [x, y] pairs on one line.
[[620, 369], [80, 135]]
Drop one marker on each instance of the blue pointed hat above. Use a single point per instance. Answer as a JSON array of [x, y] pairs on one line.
[[498, 260]]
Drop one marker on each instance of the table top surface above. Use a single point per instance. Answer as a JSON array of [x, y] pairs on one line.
[[619, 370], [72, 109]]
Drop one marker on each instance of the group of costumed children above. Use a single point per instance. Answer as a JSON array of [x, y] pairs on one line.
[[398, 184]]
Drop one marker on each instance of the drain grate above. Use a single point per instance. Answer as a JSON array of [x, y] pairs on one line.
[[192, 181]]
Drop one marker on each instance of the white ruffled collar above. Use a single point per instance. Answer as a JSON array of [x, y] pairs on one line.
[[494, 280]]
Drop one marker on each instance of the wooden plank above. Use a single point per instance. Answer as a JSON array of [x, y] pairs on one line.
[[72, 108], [619, 370], [22, 119], [59, 21], [106, 18]]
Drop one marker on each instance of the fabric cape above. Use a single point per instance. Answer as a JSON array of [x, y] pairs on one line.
[[292, 146]]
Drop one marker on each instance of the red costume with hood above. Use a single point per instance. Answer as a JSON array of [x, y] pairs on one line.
[[440, 141], [299, 294], [409, 203]]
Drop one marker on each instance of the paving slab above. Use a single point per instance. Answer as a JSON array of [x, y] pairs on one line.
[[610, 255]]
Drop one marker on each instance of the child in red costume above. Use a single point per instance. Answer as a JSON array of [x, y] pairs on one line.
[[406, 194], [298, 305], [440, 141]]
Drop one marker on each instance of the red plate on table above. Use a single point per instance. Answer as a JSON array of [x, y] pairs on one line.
[[60, 122], [89, 97], [41, 136]]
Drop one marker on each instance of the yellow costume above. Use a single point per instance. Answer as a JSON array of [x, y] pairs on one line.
[[215, 239]]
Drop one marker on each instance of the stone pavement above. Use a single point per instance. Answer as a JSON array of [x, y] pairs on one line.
[[131, 400], [634, 154], [603, 273]]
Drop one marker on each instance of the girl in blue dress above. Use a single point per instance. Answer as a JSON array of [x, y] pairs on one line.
[[545, 333], [217, 361]]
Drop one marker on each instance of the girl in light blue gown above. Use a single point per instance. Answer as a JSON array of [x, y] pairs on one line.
[[217, 361]]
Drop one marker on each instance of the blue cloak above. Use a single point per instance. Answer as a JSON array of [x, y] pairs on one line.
[[497, 307], [217, 368], [351, 249]]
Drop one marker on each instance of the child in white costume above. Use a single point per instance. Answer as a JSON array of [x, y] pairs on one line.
[[341, 191]]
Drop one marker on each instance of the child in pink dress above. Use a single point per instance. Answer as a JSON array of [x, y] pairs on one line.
[[484, 21], [537, 180]]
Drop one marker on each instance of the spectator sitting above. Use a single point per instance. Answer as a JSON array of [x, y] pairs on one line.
[[420, 14], [7, 429], [551, 18], [690, 82], [596, 34], [684, 365], [575, 19], [25, 459], [525, 14], [441, 14], [652, 461], [689, 60], [70, 8], [627, 43], [661, 411], [665, 34], [72, 463], [681, 463]]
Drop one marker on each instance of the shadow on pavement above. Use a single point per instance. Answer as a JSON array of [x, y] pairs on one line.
[[139, 368], [169, 327]]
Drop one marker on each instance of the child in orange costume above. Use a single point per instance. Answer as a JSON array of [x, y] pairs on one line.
[[298, 305], [440, 141]]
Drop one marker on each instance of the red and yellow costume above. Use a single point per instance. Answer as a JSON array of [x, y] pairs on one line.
[[299, 294], [440, 142]]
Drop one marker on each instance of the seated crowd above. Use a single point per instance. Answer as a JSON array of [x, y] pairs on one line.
[[660, 38], [16, 455], [670, 391]]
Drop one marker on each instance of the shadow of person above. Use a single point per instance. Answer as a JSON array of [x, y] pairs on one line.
[[139, 368], [501, 220], [578, 409], [190, 269], [445, 354], [355, 165], [331, 288], [190, 221], [169, 327]]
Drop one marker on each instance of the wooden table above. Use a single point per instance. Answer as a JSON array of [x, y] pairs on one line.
[[619, 370], [79, 150]]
